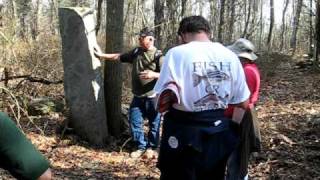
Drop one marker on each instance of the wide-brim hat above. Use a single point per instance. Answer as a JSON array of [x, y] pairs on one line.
[[244, 48]]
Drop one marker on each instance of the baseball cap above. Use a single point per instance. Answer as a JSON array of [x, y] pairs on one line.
[[243, 48], [146, 32]]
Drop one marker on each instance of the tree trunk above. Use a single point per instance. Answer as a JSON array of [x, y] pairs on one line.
[[317, 36], [293, 40], [142, 14], [23, 7], [8, 8], [310, 29], [133, 21], [214, 19], [35, 19], [171, 27], [221, 20], [99, 16], [271, 24], [158, 21], [253, 26], [183, 7], [261, 25], [1, 6], [229, 38], [247, 20], [113, 75], [283, 28], [53, 16]]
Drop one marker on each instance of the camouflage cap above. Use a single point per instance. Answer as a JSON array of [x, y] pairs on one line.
[[146, 32], [244, 48]]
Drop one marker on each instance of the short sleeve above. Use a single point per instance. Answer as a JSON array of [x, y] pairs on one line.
[[165, 73]]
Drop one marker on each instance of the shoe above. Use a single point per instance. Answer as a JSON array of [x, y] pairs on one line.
[[151, 154], [138, 153]]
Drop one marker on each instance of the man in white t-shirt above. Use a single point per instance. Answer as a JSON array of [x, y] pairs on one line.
[[197, 139]]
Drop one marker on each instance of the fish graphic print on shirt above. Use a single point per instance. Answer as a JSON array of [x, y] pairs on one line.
[[215, 78], [208, 75]]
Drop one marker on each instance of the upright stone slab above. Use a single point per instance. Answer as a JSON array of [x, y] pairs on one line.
[[83, 81]]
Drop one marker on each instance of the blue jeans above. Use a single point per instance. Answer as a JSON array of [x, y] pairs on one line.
[[140, 108]]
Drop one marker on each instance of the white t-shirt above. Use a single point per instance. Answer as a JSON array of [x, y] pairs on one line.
[[209, 76]]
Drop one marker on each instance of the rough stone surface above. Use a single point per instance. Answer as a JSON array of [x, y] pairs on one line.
[[83, 80]]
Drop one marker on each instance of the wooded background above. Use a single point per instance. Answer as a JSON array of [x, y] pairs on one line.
[[285, 32], [286, 25], [30, 44]]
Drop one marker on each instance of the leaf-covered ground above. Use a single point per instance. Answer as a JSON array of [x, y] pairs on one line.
[[289, 111]]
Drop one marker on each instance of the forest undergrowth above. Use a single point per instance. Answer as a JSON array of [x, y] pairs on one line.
[[288, 110]]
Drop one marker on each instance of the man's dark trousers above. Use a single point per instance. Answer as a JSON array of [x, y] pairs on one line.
[[196, 145]]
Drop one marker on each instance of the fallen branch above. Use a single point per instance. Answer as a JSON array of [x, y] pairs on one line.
[[43, 81], [31, 79]]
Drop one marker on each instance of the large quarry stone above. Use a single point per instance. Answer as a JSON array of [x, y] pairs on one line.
[[83, 81]]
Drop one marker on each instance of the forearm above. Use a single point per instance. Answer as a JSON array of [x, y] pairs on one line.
[[238, 114], [148, 74], [156, 75], [243, 105], [239, 111], [114, 56]]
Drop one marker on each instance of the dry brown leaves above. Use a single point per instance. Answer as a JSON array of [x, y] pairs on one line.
[[289, 111]]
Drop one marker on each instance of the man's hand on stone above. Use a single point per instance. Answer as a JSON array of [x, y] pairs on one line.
[[102, 56], [97, 52]]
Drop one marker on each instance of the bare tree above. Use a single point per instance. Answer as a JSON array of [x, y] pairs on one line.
[[53, 16], [98, 16], [310, 28], [317, 36], [247, 20], [183, 7], [283, 28], [1, 6], [23, 8], [112, 74], [261, 25], [172, 16], [271, 24], [254, 25], [214, 19], [8, 9], [293, 40], [221, 20], [158, 20], [232, 10], [36, 9]]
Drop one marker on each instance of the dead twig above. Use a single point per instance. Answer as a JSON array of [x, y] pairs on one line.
[[17, 115], [124, 144], [13, 97]]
